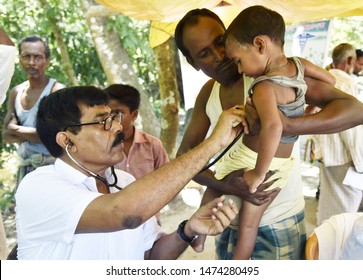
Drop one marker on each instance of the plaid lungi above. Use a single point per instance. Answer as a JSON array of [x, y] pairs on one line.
[[284, 240]]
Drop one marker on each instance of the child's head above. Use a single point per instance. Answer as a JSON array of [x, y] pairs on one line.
[[246, 35], [254, 21], [124, 99]]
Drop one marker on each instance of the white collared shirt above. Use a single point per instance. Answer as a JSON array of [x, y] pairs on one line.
[[51, 200], [346, 146]]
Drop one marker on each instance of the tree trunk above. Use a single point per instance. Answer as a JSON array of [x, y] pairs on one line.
[[169, 94], [116, 63], [66, 62]]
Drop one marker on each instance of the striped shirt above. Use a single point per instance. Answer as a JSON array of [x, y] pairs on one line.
[[346, 146]]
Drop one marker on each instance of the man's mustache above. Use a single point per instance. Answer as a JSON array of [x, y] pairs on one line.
[[119, 139]]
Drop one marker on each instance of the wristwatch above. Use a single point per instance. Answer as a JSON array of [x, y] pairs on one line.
[[182, 234]]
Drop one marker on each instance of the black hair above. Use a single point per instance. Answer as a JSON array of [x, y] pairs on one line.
[[33, 39], [124, 94], [63, 108], [359, 53], [254, 21], [192, 18]]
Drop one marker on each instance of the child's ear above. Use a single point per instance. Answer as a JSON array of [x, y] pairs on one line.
[[135, 114], [260, 43]]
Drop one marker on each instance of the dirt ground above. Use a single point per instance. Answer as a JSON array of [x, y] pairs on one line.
[[182, 208]]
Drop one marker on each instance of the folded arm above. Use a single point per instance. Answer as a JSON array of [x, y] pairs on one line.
[[13, 132]]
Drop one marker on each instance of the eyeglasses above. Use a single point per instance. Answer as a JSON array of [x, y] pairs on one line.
[[27, 57], [107, 122]]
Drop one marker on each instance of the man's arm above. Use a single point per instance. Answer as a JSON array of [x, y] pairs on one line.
[[126, 209], [13, 132], [211, 219], [340, 111], [4, 38], [316, 72]]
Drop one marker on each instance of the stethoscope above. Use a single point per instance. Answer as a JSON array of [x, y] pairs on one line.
[[103, 180], [223, 153]]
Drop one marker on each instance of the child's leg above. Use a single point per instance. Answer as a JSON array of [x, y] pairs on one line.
[[249, 218], [209, 194]]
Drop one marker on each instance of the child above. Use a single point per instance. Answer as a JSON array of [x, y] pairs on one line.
[[255, 41], [143, 153]]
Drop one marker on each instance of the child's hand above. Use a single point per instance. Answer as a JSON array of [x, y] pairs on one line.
[[253, 180]]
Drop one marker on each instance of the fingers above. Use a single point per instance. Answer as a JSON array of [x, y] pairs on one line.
[[240, 110], [223, 214], [249, 101], [261, 197], [266, 185], [225, 130], [269, 174]]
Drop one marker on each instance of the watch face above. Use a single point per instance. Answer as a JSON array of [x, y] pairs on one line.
[[194, 238]]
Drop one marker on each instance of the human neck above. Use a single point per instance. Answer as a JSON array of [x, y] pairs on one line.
[[101, 187], [276, 65], [129, 138], [86, 170], [38, 83], [230, 81]]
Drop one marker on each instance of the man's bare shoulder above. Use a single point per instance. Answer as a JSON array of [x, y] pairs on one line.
[[16, 89], [57, 85], [204, 93]]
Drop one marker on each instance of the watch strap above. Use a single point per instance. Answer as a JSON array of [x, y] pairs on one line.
[[182, 234]]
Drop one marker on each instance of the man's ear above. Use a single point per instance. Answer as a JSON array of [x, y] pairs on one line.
[[191, 62], [350, 60], [63, 139], [260, 43], [135, 114]]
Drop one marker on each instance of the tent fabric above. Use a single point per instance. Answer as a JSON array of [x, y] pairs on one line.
[[164, 14]]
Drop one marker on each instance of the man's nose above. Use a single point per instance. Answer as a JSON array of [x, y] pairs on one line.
[[117, 127], [218, 54], [32, 60]]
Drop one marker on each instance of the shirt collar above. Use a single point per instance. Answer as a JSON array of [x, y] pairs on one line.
[[76, 177], [139, 136]]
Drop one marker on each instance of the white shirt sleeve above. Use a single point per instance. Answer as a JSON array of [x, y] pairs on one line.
[[7, 65]]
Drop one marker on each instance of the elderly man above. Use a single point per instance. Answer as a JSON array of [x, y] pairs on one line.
[[80, 207], [341, 165]]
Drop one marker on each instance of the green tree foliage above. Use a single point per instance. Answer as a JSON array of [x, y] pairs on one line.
[[22, 18], [134, 36], [346, 30]]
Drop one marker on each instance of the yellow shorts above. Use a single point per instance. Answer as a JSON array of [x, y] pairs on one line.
[[243, 157]]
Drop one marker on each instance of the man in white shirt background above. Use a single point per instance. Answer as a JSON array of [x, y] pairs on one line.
[[341, 182]]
